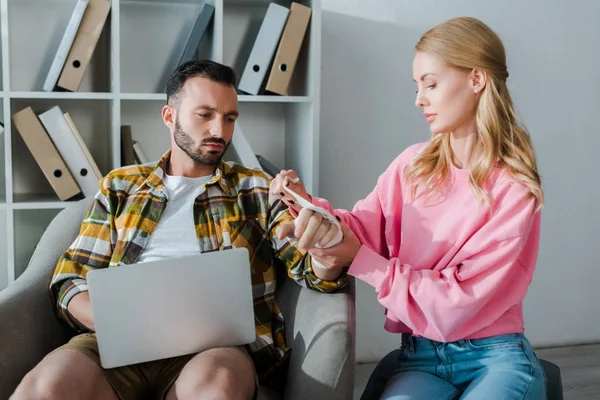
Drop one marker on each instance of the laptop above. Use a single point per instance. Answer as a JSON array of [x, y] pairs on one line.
[[173, 307]]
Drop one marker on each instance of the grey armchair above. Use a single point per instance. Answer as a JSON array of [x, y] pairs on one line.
[[319, 327]]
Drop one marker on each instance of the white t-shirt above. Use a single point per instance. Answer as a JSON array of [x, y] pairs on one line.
[[175, 234]]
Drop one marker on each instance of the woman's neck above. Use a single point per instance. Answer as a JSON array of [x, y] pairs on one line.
[[461, 143]]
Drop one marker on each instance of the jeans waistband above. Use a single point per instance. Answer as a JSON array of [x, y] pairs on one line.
[[411, 342]]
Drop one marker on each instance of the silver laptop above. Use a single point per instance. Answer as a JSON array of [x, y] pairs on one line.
[[161, 309]]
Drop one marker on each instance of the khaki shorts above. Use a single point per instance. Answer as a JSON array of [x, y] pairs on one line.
[[140, 381]]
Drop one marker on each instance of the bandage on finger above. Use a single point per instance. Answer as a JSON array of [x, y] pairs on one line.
[[308, 205]]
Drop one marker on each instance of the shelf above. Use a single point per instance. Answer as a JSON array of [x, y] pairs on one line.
[[241, 98], [274, 99], [143, 96], [258, 3], [41, 201], [125, 85], [63, 95], [159, 2]]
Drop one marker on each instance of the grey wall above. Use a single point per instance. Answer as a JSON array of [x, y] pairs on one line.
[[368, 117]]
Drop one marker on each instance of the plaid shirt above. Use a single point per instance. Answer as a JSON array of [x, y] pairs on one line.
[[127, 208]]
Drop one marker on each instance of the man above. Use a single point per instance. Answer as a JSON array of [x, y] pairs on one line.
[[177, 207]]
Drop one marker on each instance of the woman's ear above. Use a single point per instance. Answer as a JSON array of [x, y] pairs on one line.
[[478, 80]]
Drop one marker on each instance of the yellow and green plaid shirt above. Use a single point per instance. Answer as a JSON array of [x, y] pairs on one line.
[[127, 208]]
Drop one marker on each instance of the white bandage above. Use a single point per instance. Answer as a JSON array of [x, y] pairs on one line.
[[305, 204]]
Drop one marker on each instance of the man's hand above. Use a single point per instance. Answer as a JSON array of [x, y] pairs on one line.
[[342, 254], [310, 228], [285, 179], [80, 310]]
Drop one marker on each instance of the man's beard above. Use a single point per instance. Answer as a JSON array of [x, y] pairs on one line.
[[188, 145]]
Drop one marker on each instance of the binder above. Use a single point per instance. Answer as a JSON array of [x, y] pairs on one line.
[[288, 50], [243, 150], [267, 166], [83, 146], [59, 131], [263, 49], [141, 157], [127, 152], [45, 153], [84, 44], [190, 51], [65, 45], [193, 42]]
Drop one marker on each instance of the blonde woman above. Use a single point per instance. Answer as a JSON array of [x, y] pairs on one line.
[[449, 236]]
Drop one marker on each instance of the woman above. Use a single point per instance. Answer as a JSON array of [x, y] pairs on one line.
[[449, 236]]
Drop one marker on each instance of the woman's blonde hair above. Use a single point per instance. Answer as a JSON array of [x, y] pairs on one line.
[[467, 44]]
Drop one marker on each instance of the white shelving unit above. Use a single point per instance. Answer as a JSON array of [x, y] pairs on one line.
[[124, 85]]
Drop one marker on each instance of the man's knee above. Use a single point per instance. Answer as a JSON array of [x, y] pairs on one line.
[[228, 375], [64, 375], [39, 387], [218, 384]]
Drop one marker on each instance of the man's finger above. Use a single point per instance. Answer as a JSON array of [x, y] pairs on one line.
[[285, 231], [276, 188], [329, 236], [302, 221], [308, 236], [321, 232]]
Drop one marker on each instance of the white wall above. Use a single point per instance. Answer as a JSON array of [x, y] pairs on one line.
[[368, 117]]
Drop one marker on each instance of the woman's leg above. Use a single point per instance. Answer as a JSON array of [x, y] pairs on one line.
[[418, 385], [385, 369], [509, 370], [410, 373]]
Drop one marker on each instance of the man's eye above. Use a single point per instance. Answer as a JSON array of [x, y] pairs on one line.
[[432, 86], [204, 115]]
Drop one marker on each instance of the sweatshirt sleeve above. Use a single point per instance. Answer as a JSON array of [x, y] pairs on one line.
[[370, 216]]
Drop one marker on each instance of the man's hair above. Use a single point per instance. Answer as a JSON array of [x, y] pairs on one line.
[[211, 70]]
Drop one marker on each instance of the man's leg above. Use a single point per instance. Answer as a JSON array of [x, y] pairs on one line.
[[223, 374], [65, 374], [73, 371]]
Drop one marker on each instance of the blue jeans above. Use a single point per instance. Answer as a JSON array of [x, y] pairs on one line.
[[498, 367]]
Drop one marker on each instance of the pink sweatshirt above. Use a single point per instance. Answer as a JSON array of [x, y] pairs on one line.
[[446, 270]]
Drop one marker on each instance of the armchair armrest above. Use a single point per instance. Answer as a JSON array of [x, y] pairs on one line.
[[320, 329], [30, 328]]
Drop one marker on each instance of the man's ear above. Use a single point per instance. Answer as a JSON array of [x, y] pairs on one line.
[[168, 116], [478, 80]]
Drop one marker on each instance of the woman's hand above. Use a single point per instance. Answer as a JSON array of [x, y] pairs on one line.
[[311, 229], [342, 254], [288, 178]]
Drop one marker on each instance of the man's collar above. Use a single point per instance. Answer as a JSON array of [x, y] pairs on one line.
[[155, 179]]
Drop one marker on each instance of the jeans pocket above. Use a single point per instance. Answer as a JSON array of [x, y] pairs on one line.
[[495, 342], [531, 355]]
